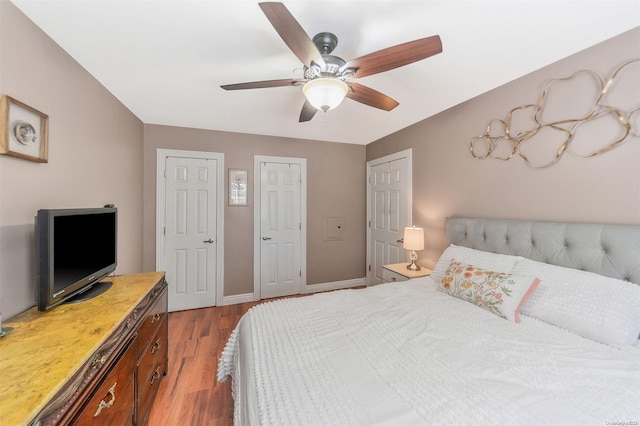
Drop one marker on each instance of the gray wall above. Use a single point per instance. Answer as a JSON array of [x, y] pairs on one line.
[[336, 182], [95, 153], [448, 181]]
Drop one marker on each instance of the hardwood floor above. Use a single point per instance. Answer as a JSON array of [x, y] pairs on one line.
[[190, 393]]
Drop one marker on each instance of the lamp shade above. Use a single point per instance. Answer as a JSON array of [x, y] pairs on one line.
[[413, 238], [325, 93]]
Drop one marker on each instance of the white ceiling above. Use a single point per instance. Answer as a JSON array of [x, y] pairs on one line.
[[166, 60]]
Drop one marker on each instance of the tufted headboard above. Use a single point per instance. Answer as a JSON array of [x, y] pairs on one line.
[[606, 249]]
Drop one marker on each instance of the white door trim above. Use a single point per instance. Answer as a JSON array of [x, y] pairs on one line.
[[387, 158], [256, 218], [161, 156]]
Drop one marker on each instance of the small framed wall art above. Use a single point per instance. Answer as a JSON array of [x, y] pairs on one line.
[[238, 186], [24, 131]]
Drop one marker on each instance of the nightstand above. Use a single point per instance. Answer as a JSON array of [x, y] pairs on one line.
[[398, 272]]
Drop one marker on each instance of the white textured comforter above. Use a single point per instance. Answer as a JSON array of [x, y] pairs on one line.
[[405, 354]]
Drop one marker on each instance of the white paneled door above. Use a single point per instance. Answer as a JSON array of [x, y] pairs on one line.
[[389, 211], [190, 237], [280, 231]]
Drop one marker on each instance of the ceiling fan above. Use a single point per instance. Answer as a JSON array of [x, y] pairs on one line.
[[324, 83]]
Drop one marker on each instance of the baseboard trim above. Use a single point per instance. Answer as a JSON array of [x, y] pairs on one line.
[[237, 298], [336, 285], [310, 289]]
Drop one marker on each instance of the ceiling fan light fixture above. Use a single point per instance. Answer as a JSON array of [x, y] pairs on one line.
[[325, 93]]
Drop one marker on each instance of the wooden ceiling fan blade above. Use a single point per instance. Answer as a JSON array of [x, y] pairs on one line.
[[262, 84], [395, 56], [292, 33], [308, 112], [368, 96]]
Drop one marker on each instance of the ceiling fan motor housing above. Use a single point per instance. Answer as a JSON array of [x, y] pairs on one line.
[[325, 42], [331, 68]]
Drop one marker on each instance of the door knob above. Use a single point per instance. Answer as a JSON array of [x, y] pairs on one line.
[[401, 240], [209, 241], [266, 238]]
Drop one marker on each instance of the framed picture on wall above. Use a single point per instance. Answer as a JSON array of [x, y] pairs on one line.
[[24, 131], [238, 187]]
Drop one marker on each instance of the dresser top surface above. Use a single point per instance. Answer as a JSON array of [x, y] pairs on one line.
[[45, 349]]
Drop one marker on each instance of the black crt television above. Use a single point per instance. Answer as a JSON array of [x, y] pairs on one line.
[[75, 250]]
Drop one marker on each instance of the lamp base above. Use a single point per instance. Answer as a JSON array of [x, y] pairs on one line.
[[413, 267]]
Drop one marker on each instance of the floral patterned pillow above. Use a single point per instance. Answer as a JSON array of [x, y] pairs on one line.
[[497, 292]]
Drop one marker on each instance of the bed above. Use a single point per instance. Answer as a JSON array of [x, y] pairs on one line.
[[521, 322]]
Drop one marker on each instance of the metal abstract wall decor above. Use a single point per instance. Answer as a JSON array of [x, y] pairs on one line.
[[554, 126]]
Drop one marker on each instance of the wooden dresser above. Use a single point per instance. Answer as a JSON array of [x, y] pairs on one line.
[[95, 362]]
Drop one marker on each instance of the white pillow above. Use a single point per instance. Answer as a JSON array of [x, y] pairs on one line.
[[599, 308], [478, 258]]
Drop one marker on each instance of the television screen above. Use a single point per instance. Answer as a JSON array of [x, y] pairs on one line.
[[75, 249], [83, 245]]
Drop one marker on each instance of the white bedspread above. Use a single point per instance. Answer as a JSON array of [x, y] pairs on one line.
[[405, 354]]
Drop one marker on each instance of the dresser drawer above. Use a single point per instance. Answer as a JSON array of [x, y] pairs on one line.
[[112, 403], [155, 352], [153, 317], [151, 369], [390, 276]]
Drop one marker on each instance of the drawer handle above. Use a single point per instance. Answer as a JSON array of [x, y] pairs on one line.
[[156, 375], [103, 404], [155, 347], [155, 318]]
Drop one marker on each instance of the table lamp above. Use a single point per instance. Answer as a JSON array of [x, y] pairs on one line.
[[413, 240]]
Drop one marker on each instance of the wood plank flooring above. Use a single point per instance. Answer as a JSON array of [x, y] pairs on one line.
[[190, 393]]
